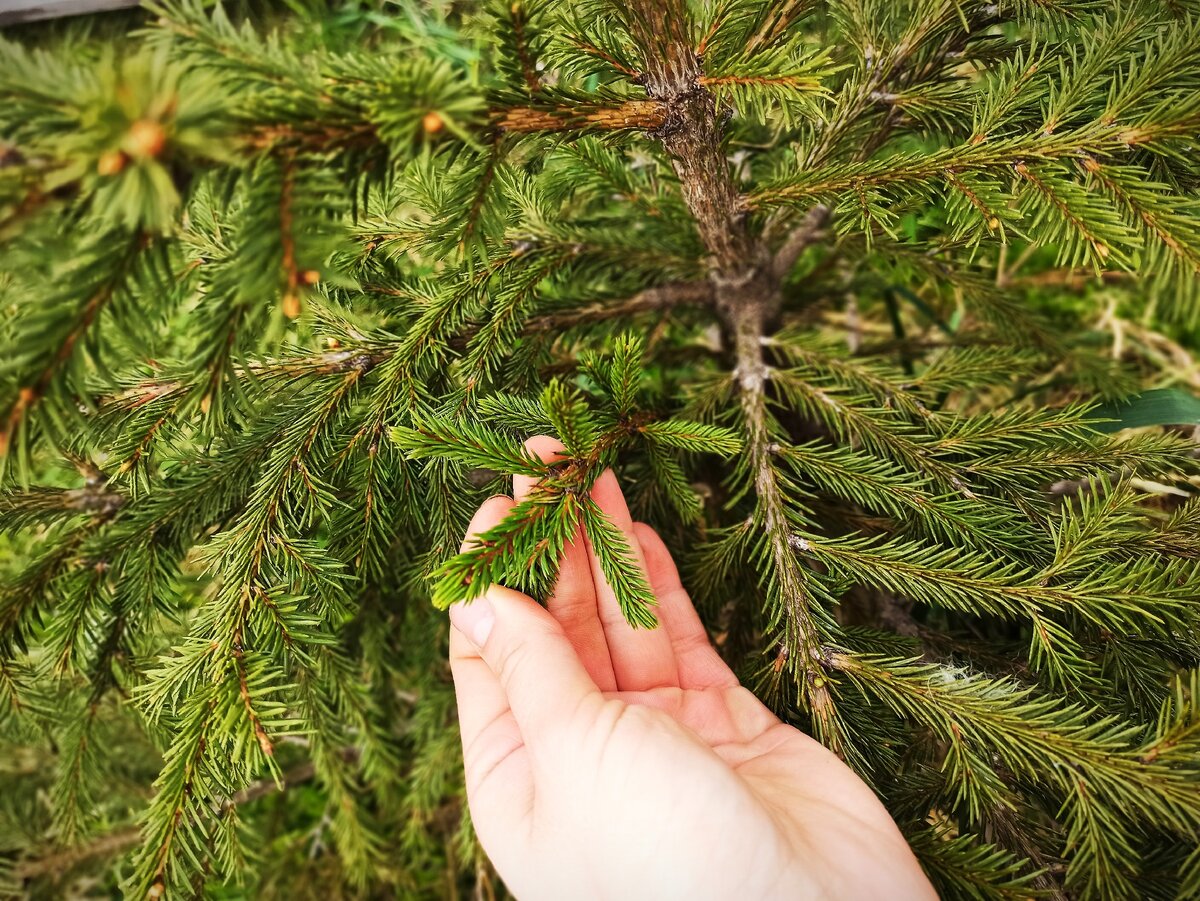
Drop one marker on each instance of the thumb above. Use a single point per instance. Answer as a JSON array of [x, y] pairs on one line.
[[530, 655]]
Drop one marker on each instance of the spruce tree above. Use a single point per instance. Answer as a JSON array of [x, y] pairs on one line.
[[880, 309]]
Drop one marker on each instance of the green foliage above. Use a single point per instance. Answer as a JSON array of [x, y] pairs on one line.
[[524, 550], [883, 313]]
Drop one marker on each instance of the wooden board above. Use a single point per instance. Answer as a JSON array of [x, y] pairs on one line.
[[14, 11]]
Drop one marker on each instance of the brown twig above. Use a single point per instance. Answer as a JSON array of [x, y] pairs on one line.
[[291, 275], [810, 230], [528, 68], [660, 297], [1069, 279], [643, 114], [107, 845], [780, 19]]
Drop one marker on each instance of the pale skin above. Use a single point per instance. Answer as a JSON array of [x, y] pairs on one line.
[[606, 762]]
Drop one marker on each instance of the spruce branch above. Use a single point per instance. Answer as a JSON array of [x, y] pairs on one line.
[[524, 550], [787, 574], [892, 63], [968, 867], [119, 840], [1113, 596], [468, 444], [365, 357], [1099, 759], [692, 436], [843, 235], [69, 327], [996, 156], [519, 18], [1162, 219], [621, 569]]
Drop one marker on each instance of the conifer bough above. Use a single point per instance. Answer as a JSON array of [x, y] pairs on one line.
[[835, 286]]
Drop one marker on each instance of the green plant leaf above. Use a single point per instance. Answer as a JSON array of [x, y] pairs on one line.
[[1162, 406]]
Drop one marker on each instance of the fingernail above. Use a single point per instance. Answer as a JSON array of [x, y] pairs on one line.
[[474, 619]]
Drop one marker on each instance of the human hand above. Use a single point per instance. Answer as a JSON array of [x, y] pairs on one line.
[[604, 762]]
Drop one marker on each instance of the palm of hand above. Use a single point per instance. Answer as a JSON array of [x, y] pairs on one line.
[[604, 762]]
